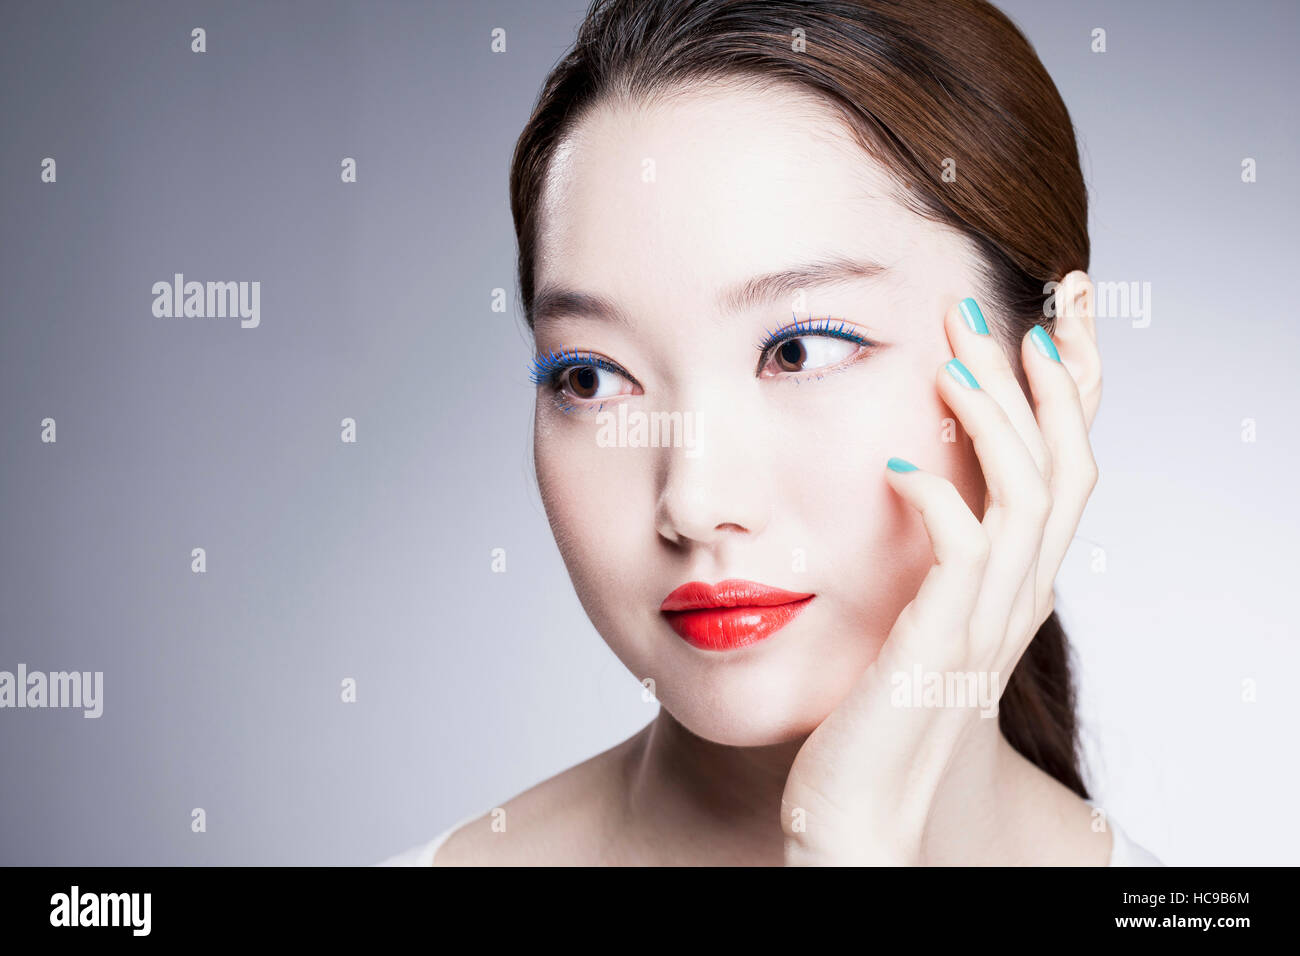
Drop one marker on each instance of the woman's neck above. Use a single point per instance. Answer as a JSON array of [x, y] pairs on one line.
[[690, 801]]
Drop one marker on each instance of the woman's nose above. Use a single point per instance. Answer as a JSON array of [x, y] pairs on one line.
[[718, 488]]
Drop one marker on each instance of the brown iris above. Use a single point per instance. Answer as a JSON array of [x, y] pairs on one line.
[[791, 355], [583, 380]]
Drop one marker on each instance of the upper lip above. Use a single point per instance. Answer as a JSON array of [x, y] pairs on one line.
[[733, 592]]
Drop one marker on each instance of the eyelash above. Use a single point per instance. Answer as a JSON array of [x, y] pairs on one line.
[[546, 370], [829, 327]]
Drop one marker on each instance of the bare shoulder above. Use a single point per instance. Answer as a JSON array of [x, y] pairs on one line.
[[1075, 832], [565, 820]]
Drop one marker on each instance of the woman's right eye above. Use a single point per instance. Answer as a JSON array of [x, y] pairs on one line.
[[584, 377], [592, 383]]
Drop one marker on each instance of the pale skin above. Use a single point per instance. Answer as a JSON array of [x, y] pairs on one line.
[[950, 566]]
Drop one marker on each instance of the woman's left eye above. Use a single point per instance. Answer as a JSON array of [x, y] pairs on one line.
[[805, 353]]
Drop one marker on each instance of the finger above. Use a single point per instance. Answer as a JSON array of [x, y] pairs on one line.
[[1019, 500], [985, 355], [1064, 426], [930, 632], [937, 620]]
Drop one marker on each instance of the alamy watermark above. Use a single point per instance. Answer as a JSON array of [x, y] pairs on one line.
[[921, 688], [211, 300], [637, 429], [1110, 300], [76, 908], [83, 689]]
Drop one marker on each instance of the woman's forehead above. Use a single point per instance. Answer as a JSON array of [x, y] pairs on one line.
[[728, 154], [715, 188]]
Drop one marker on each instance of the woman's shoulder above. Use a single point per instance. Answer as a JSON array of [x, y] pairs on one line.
[[556, 821], [1073, 829], [1123, 850]]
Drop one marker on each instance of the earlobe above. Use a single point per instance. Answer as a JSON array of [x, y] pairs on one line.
[[1075, 335]]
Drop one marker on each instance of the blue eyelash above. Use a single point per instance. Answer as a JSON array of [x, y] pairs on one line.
[[834, 328], [546, 369]]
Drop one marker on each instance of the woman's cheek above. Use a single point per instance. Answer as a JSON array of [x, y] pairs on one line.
[[571, 487], [868, 547], [589, 493]]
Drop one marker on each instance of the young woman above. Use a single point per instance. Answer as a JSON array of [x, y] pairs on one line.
[[843, 245]]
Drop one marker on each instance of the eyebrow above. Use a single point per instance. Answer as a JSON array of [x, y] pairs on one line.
[[553, 302]]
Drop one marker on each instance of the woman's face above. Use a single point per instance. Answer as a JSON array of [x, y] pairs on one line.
[[667, 215]]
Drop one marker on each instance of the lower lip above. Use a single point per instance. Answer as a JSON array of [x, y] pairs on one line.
[[727, 628]]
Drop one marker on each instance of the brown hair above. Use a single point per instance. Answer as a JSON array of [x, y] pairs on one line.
[[918, 83]]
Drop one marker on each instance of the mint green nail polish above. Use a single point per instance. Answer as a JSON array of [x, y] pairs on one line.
[[961, 373], [1043, 342], [970, 311], [901, 464]]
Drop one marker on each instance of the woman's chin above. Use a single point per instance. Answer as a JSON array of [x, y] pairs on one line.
[[748, 723], [762, 700]]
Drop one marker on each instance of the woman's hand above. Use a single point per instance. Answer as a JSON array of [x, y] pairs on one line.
[[862, 788]]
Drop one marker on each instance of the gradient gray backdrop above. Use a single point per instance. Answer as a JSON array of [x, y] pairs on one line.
[[372, 561]]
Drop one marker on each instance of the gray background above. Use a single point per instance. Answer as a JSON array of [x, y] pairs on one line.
[[372, 560]]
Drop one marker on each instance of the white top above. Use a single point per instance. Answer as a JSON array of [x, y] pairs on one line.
[[1123, 851], [422, 855]]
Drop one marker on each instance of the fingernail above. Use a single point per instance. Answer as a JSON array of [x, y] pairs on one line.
[[900, 464], [1043, 342], [970, 311], [961, 373]]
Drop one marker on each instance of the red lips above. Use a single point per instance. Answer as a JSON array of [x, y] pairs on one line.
[[730, 614]]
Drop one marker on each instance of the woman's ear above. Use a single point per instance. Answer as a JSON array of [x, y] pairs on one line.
[[1075, 335]]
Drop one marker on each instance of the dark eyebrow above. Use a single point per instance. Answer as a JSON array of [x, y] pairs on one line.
[[765, 289], [553, 302]]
